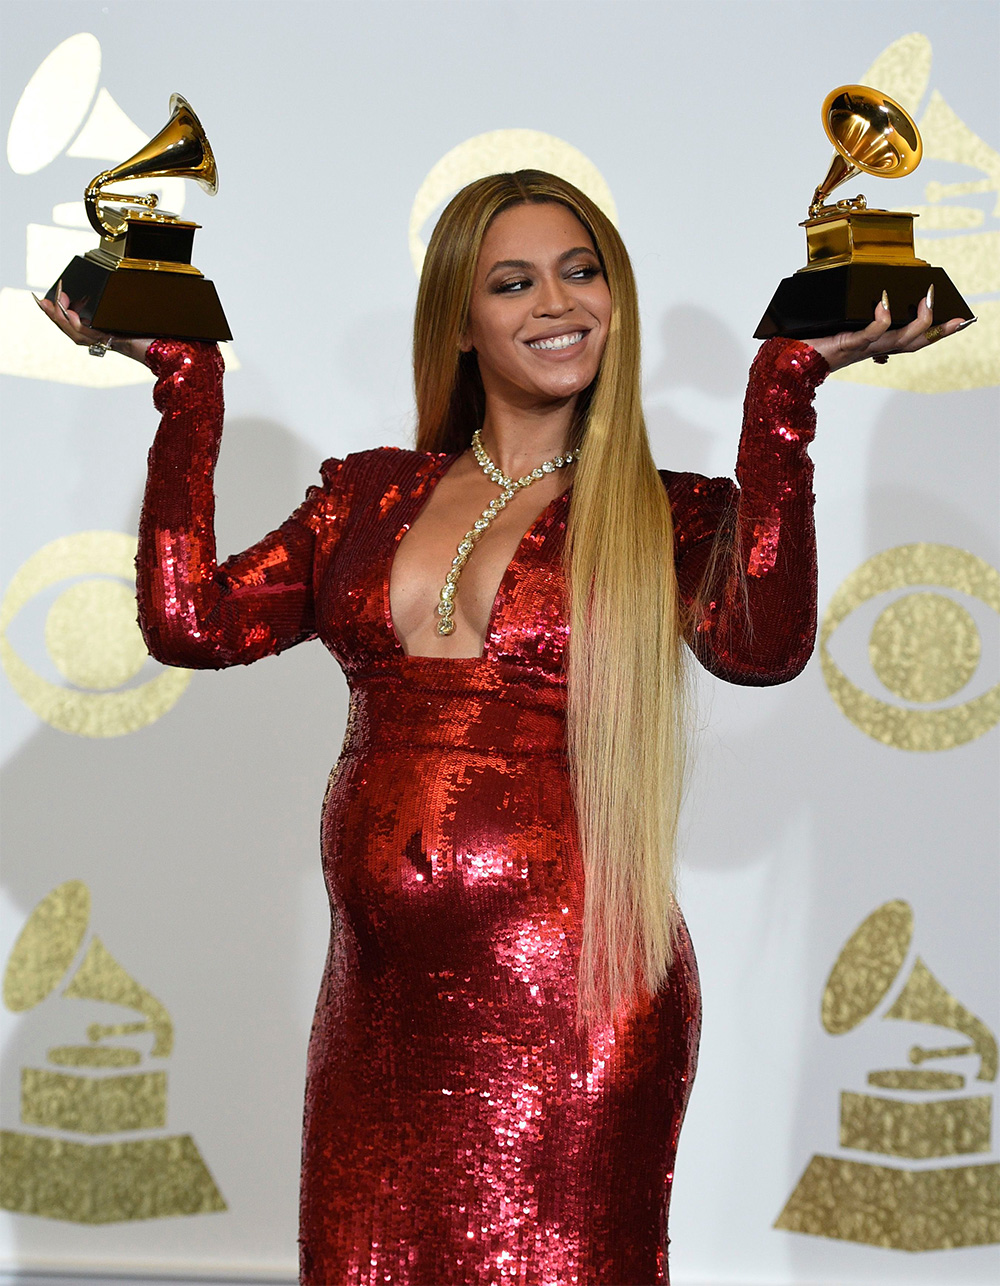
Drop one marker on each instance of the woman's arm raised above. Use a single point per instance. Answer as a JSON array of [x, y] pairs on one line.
[[193, 611], [746, 556]]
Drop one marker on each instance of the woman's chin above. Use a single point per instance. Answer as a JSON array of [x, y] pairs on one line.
[[555, 385], [563, 384]]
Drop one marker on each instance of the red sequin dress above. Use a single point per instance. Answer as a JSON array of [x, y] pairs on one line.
[[458, 1129]]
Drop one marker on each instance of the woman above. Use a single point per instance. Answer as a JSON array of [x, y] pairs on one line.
[[507, 1026]]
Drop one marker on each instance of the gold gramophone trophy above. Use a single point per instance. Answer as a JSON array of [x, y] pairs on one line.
[[854, 253], [140, 280]]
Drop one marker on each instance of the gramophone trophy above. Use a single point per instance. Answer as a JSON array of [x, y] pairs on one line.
[[854, 253], [140, 280]]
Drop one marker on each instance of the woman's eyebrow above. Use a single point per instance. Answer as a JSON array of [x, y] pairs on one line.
[[525, 264], [510, 263]]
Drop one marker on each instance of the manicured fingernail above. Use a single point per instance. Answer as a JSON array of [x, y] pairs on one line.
[[930, 296], [37, 300], [885, 300], [968, 322]]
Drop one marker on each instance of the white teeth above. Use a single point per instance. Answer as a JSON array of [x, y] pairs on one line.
[[560, 341]]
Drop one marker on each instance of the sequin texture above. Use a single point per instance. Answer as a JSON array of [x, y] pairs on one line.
[[459, 1129]]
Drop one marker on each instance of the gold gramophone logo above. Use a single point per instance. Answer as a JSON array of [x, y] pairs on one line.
[[916, 1198], [97, 1088]]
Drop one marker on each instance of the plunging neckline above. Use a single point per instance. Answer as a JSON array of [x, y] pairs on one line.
[[423, 497]]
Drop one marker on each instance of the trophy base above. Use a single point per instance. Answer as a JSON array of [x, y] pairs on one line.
[[880, 1205], [104, 1183], [139, 301], [825, 301]]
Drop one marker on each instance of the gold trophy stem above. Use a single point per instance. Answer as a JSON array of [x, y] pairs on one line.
[[839, 172], [95, 197]]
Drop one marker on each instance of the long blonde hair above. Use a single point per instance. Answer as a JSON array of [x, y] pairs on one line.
[[625, 674]]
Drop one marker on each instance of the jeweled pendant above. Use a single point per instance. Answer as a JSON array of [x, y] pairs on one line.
[[446, 602]]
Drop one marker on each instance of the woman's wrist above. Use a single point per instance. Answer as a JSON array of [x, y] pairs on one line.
[[129, 346]]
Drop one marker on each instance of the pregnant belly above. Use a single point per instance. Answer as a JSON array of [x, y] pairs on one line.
[[436, 854]]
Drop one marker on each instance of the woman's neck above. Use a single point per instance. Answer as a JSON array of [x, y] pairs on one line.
[[519, 439]]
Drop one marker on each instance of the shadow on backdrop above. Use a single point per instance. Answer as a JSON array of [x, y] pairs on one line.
[[198, 838]]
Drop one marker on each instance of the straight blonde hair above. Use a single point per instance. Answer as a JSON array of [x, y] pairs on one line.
[[626, 689]]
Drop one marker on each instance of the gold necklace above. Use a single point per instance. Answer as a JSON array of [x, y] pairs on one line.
[[446, 605]]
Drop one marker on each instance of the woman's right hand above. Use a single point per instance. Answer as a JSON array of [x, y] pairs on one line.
[[70, 324]]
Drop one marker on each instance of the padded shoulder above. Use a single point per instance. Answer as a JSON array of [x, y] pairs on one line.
[[700, 506]]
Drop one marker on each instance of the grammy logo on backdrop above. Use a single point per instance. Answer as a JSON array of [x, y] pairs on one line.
[[85, 1089], [922, 1115]]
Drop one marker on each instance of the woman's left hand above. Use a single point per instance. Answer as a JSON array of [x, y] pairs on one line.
[[879, 342]]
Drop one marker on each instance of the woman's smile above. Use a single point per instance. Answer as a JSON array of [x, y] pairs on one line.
[[559, 343]]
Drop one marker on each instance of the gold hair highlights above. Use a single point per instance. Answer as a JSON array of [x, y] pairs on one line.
[[626, 673]]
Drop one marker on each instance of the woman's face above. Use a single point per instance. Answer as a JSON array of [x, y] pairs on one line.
[[540, 308]]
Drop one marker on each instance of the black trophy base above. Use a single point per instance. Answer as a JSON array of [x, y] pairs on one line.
[[140, 301], [829, 300]]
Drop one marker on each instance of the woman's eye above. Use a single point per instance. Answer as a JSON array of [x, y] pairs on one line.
[[586, 272], [512, 287]]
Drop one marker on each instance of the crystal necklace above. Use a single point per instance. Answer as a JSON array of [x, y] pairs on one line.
[[446, 605]]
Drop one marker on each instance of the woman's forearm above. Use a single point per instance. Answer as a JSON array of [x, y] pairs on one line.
[[750, 581], [192, 611]]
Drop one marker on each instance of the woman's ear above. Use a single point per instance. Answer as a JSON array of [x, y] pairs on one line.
[[465, 344]]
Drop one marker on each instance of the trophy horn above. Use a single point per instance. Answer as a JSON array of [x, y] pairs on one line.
[[870, 965], [46, 946], [101, 977], [180, 150], [872, 134], [925, 1000], [44, 952]]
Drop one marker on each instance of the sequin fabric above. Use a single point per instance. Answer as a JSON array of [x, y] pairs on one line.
[[458, 1128]]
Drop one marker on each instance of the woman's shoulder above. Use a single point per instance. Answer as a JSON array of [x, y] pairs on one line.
[[380, 468], [695, 489], [698, 505]]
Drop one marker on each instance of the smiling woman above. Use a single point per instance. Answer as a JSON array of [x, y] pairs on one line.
[[507, 1029], [534, 334]]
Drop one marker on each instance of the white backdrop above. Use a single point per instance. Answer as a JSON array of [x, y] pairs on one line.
[[197, 834]]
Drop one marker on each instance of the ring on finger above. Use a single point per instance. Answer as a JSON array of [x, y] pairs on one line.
[[101, 346], [933, 334]]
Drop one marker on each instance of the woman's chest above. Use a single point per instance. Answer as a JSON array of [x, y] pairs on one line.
[[377, 598], [451, 562]]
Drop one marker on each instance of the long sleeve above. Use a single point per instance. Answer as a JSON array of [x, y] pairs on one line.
[[193, 611], [746, 555]]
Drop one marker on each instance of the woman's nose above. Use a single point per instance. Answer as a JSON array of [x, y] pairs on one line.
[[553, 299]]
